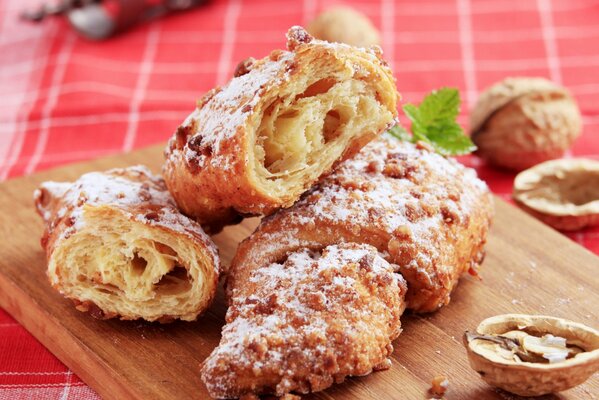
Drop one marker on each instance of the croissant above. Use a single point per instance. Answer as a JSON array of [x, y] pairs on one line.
[[118, 247], [306, 322], [427, 214], [260, 141]]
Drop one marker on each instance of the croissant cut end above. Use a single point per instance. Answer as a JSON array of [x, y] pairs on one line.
[[306, 126], [128, 268]]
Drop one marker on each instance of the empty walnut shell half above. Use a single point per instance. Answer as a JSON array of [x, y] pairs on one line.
[[520, 122], [532, 355], [562, 193]]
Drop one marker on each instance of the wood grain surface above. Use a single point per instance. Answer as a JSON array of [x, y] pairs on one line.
[[529, 268]]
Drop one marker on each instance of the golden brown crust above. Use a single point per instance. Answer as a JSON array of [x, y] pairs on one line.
[[109, 234], [212, 167], [425, 213], [308, 322]]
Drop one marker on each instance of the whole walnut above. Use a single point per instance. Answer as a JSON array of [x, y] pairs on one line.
[[344, 25], [520, 122]]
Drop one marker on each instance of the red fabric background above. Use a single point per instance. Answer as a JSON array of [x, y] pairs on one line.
[[65, 99]]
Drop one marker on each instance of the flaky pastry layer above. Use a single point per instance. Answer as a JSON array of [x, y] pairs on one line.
[[257, 143], [118, 247]]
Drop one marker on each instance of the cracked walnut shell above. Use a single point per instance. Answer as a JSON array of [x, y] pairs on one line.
[[533, 355], [344, 25], [562, 193], [520, 122]]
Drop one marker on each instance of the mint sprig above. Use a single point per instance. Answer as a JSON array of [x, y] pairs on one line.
[[434, 122]]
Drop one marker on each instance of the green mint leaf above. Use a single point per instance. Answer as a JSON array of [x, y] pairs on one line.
[[448, 139], [440, 105], [433, 122]]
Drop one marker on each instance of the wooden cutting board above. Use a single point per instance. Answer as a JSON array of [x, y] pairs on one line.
[[529, 268]]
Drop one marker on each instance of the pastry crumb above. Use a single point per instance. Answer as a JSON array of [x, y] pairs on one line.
[[439, 386], [473, 271]]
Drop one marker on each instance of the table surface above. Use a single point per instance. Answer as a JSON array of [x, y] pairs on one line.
[[65, 99], [120, 360]]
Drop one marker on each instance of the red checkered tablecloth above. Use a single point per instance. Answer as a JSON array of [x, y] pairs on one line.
[[64, 99]]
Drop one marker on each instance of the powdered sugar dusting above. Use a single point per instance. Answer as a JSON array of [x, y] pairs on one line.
[[115, 188], [428, 213], [231, 106], [384, 185], [297, 35], [134, 190], [297, 324]]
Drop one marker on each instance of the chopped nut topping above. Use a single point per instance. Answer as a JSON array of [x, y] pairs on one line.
[[244, 66]]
